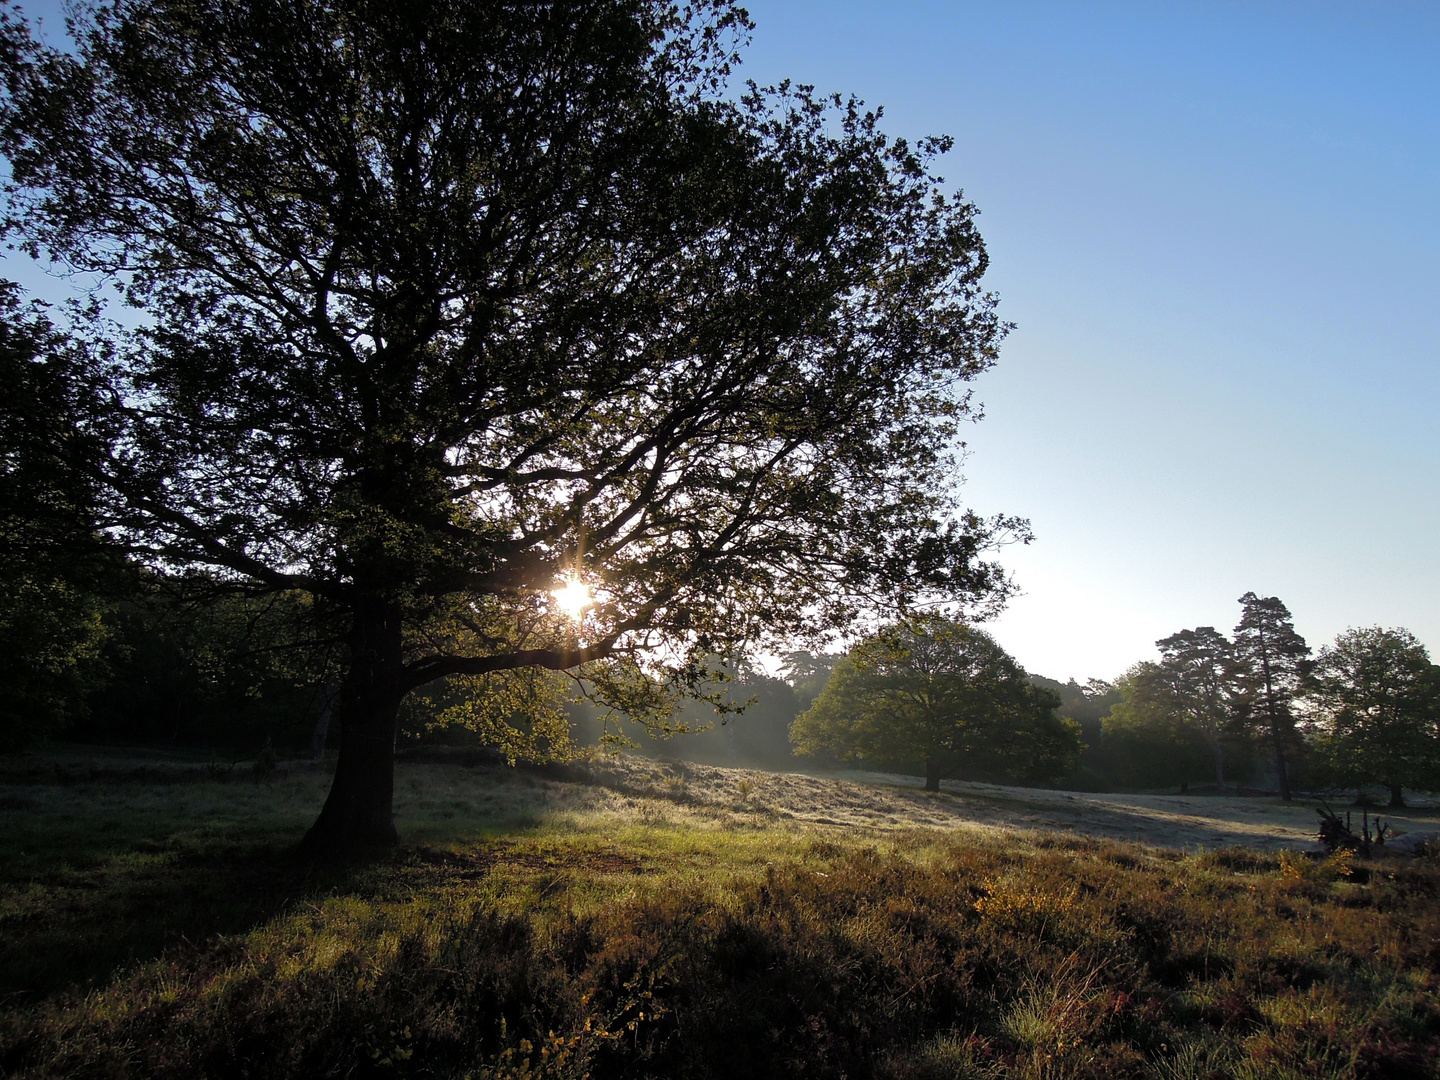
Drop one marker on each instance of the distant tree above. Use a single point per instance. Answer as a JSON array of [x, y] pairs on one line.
[[1378, 701], [935, 692], [1086, 704], [1171, 708], [445, 304], [188, 663], [1197, 665], [1147, 737], [807, 673], [1269, 668], [750, 727]]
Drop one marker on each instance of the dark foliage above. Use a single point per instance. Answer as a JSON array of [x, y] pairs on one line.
[[1270, 664], [53, 566], [183, 665], [937, 694], [445, 302]]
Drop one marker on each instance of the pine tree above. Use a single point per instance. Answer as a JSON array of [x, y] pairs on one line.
[[1270, 665], [1197, 665]]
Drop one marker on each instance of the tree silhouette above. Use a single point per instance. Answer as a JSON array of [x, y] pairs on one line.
[[1270, 664], [443, 305], [944, 695], [1196, 665], [1379, 698], [52, 563]]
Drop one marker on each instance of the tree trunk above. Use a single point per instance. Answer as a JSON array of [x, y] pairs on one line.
[[359, 811], [1281, 772], [932, 775], [1219, 766], [322, 722], [1397, 797]]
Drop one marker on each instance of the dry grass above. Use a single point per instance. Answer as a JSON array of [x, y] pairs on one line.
[[636, 919], [881, 802]]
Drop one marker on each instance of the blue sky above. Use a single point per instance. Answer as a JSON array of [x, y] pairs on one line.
[[1217, 229]]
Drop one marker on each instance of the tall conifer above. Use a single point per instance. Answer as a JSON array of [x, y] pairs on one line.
[[1197, 665], [1270, 662]]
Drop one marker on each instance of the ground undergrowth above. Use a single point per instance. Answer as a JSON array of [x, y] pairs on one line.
[[155, 922]]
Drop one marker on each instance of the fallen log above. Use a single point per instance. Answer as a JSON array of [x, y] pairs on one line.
[[1340, 835]]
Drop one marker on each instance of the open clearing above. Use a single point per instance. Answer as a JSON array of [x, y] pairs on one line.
[[440, 801], [882, 801], [632, 918]]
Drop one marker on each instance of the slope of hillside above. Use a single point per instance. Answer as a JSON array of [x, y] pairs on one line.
[[882, 801]]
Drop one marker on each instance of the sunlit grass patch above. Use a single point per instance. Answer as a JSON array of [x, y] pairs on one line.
[[537, 925]]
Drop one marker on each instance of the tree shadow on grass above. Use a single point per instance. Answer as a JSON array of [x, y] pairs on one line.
[[74, 928]]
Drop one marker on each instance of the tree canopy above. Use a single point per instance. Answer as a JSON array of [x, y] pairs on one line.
[[1269, 665], [444, 304], [1172, 721], [939, 694], [1196, 665], [1377, 696]]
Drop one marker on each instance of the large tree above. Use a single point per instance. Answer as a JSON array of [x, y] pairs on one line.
[[1270, 661], [1197, 666], [932, 692], [1172, 711], [443, 304], [1147, 739], [1379, 703]]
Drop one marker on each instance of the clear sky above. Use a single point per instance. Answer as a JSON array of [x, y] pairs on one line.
[[1217, 228]]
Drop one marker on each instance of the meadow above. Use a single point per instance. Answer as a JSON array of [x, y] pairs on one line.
[[650, 919]]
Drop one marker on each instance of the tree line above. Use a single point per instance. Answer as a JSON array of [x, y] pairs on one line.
[[1362, 712], [102, 651], [1257, 708]]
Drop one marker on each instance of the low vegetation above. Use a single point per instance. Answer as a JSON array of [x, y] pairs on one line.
[[658, 920]]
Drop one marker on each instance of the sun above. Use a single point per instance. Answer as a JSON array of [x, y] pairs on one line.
[[573, 598]]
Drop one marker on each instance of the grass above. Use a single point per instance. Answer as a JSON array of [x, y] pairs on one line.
[[650, 920]]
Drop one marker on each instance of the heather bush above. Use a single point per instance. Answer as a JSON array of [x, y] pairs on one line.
[[633, 944]]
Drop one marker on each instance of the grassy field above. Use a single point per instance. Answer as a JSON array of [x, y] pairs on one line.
[[643, 919]]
